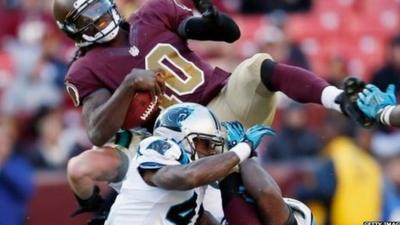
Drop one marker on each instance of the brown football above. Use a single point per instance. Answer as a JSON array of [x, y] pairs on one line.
[[142, 108]]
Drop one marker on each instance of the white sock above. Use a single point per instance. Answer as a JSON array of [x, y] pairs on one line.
[[384, 114], [328, 97]]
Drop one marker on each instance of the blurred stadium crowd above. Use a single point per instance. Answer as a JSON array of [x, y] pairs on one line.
[[318, 156]]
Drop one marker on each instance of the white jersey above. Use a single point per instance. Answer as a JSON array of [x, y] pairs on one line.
[[213, 201], [139, 203]]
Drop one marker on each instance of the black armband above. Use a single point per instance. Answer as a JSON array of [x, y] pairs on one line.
[[222, 28], [267, 70]]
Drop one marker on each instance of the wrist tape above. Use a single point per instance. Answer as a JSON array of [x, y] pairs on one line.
[[242, 150], [384, 115]]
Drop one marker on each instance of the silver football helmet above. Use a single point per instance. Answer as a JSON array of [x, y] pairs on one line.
[[186, 121]]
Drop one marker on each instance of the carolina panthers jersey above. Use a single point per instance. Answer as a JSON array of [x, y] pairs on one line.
[[213, 202], [139, 203], [153, 44]]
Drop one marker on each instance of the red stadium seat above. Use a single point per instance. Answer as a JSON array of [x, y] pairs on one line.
[[336, 5], [54, 202]]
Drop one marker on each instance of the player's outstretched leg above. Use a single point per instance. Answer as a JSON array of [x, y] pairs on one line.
[[299, 84], [250, 93], [83, 171], [304, 86], [101, 164]]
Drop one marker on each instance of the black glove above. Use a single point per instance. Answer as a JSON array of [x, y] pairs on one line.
[[93, 204], [348, 101], [206, 8]]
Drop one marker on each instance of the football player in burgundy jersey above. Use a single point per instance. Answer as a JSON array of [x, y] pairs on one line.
[[117, 58]]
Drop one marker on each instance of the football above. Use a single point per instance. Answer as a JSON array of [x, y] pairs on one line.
[[142, 109]]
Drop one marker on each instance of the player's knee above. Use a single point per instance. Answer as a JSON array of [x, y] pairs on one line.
[[261, 57], [74, 170], [258, 69], [80, 166], [102, 164], [255, 62]]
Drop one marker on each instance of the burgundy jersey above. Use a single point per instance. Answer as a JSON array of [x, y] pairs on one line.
[[154, 44]]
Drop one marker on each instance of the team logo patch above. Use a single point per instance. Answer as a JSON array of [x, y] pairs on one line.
[[73, 93], [160, 146], [134, 51]]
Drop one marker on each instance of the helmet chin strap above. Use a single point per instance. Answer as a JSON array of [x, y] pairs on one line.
[[109, 36], [187, 144]]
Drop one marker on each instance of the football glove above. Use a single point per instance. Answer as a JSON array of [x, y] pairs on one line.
[[255, 134], [235, 133], [93, 204], [348, 101], [206, 8], [372, 101]]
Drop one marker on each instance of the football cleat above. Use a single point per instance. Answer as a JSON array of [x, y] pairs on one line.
[[348, 101]]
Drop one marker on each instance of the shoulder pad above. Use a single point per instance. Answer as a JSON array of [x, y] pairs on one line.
[[156, 152]]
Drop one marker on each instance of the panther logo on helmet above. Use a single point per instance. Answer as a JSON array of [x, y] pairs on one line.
[[186, 121], [173, 119]]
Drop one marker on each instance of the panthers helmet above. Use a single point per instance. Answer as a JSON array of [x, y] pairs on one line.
[[301, 212], [87, 21], [186, 121]]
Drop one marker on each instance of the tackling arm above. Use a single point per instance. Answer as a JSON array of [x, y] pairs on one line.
[[271, 206], [195, 174], [210, 168]]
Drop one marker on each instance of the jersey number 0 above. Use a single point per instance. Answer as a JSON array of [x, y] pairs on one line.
[[166, 57]]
